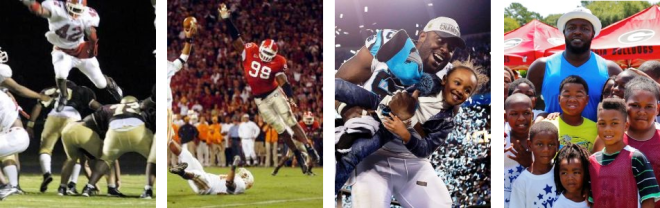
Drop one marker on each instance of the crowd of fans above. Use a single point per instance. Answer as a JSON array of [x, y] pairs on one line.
[[211, 84]]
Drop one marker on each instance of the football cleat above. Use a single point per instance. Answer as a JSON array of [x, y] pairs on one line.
[[237, 160], [19, 190], [44, 184], [115, 192], [4, 193], [61, 102], [147, 194], [89, 190], [179, 169], [61, 191], [71, 189], [274, 173], [113, 89]]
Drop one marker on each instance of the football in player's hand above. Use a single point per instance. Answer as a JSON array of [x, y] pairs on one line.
[[188, 23]]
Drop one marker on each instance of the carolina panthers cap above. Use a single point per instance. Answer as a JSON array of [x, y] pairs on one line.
[[580, 13], [447, 28]]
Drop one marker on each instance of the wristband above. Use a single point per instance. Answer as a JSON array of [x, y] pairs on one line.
[[287, 90], [189, 40], [233, 32], [30, 124]]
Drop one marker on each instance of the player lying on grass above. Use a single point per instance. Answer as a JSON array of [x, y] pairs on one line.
[[204, 183]]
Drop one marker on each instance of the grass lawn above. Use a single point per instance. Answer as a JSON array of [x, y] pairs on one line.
[[289, 189], [132, 185]]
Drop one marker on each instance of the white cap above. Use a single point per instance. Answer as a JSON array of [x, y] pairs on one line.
[[580, 13], [246, 116], [447, 28]]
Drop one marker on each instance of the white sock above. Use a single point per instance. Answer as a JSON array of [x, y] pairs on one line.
[[44, 160], [75, 173], [112, 185], [12, 174], [147, 187]]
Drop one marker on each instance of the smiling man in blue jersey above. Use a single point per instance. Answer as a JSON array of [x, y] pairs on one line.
[[580, 27]]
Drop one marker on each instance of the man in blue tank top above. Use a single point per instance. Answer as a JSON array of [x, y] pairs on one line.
[[579, 27]]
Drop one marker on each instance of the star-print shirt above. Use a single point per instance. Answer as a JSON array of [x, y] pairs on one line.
[[533, 191], [512, 170]]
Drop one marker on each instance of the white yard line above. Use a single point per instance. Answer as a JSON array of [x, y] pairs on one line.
[[266, 202]]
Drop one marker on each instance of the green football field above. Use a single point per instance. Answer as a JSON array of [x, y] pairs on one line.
[[131, 185], [290, 188]]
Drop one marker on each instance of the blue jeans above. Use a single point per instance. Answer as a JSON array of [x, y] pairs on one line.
[[354, 95]]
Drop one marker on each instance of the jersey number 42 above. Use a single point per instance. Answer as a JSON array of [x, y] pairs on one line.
[[258, 71], [63, 33]]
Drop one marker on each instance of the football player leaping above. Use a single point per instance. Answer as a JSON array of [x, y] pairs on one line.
[[264, 72], [69, 22]]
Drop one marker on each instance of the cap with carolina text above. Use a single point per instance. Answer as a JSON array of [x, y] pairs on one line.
[[447, 28]]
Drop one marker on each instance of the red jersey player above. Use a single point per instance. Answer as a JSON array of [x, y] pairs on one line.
[[264, 71]]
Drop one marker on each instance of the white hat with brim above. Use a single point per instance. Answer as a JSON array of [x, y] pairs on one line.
[[580, 13], [447, 28]]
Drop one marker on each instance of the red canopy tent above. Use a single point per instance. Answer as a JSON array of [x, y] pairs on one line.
[[628, 42], [524, 45]]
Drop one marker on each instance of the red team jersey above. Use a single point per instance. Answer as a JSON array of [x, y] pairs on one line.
[[261, 75], [310, 129]]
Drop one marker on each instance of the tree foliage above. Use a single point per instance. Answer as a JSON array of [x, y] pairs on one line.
[[613, 11], [608, 12], [520, 13], [551, 19], [510, 24]]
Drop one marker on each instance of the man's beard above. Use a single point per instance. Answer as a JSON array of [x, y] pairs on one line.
[[577, 50]]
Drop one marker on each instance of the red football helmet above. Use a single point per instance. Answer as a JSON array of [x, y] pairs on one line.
[[76, 7], [267, 50], [308, 118]]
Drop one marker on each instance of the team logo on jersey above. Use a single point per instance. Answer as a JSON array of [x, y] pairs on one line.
[[555, 41], [636, 36], [513, 42], [383, 84]]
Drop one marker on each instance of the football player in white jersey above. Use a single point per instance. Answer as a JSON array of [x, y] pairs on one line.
[[173, 67], [204, 183], [69, 22], [7, 82], [13, 140]]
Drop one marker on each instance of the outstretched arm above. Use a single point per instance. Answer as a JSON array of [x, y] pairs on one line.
[[36, 8], [238, 43], [22, 91], [187, 46]]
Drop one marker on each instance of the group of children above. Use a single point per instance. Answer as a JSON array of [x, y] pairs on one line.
[[567, 160]]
